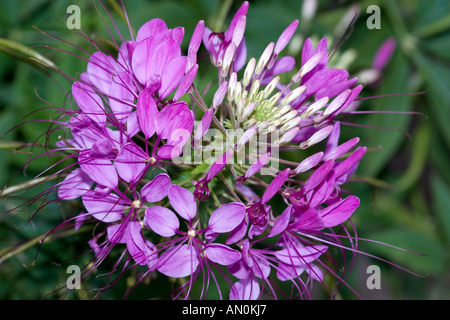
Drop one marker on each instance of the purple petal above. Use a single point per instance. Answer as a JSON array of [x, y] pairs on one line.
[[178, 262], [161, 220], [348, 164], [157, 189], [275, 185], [170, 79], [104, 207], [309, 162], [146, 113], [226, 217], [101, 68], [219, 164], [169, 152], [319, 175], [183, 202], [203, 126], [117, 233], [121, 96], [384, 53], [257, 165], [89, 102], [281, 223], [74, 185], [237, 233], [153, 28], [342, 149], [164, 53], [299, 254], [141, 59], [288, 272], [309, 220], [222, 254], [246, 289], [131, 162], [186, 82], [101, 171], [172, 117], [339, 212], [242, 11], [137, 246], [285, 37]]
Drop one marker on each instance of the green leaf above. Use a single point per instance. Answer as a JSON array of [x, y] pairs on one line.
[[441, 203]]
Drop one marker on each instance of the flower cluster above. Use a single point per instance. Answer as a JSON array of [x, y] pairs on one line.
[[253, 223]]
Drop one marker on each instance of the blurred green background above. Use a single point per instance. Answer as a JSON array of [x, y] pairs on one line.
[[405, 204]]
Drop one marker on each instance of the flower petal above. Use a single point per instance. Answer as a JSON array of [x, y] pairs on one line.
[[131, 162], [222, 254], [74, 185], [183, 202], [339, 212], [101, 171], [226, 217], [157, 189], [246, 289], [161, 220], [178, 262]]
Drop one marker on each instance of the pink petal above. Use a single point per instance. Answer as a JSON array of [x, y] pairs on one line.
[[146, 113], [183, 202], [222, 254], [89, 102], [226, 217], [170, 79], [339, 212], [281, 223], [131, 162], [299, 254], [275, 185], [178, 262], [141, 60], [74, 185], [161, 220], [101, 68], [157, 189], [153, 28], [246, 289], [104, 207], [101, 171], [172, 117]]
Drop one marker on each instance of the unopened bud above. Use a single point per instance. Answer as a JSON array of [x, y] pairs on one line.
[[316, 106], [271, 86], [287, 137], [228, 59], [247, 111], [308, 66], [291, 96], [317, 137], [219, 95], [264, 58], [231, 87], [248, 73]]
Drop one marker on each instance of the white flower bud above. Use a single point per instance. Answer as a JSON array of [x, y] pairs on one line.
[[248, 73], [317, 137], [264, 58]]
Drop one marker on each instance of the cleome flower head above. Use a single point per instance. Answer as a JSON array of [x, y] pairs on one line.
[[248, 220]]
